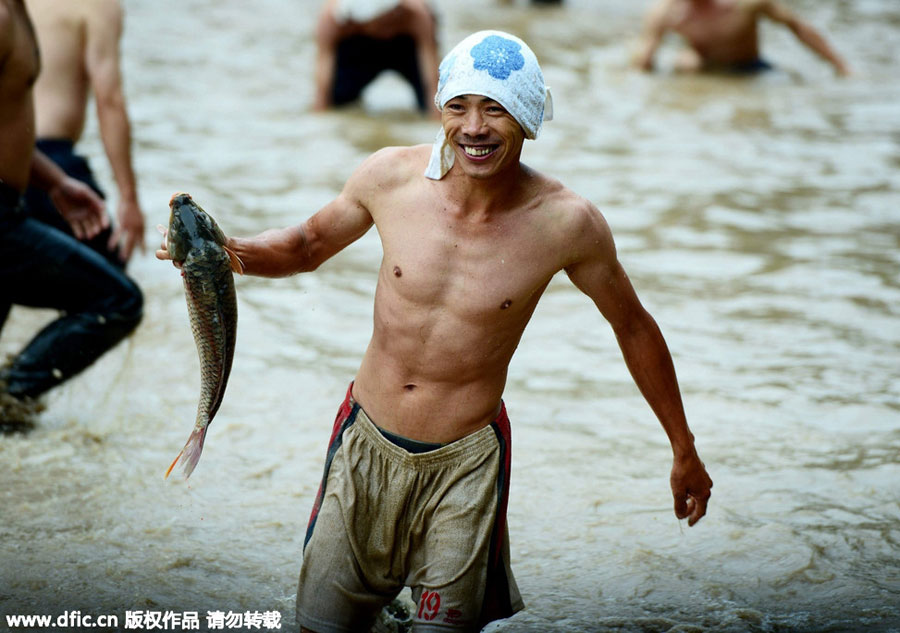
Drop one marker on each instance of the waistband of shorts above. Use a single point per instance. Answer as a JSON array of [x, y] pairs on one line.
[[52, 144], [482, 440]]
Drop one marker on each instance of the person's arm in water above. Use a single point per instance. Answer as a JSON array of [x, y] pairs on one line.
[[327, 39], [597, 272], [422, 27], [77, 203], [103, 33], [805, 33], [655, 28], [304, 247]]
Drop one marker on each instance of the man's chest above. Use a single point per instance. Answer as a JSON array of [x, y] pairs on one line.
[[712, 26], [472, 269]]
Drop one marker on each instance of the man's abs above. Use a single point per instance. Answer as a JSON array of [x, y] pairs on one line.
[[423, 407]]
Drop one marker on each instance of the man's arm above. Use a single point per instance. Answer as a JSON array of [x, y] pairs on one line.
[[655, 27], [327, 39], [304, 247], [805, 33], [104, 31], [597, 272], [77, 203]]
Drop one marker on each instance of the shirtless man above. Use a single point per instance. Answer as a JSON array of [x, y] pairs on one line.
[[417, 470], [358, 39], [40, 266], [80, 49], [723, 35]]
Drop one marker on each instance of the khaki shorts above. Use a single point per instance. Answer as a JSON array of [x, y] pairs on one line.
[[386, 518]]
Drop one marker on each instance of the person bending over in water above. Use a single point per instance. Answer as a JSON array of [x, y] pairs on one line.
[[723, 35], [417, 471], [357, 40]]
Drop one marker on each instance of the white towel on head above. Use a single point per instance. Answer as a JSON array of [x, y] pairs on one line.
[[501, 67], [362, 10]]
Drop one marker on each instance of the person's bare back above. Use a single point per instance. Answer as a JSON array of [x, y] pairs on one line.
[[61, 94]]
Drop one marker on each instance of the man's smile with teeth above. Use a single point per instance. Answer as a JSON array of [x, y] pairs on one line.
[[479, 151]]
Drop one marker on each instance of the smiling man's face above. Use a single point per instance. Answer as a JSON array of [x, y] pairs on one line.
[[484, 135]]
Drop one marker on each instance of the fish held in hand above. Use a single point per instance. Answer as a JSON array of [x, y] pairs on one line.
[[197, 245]]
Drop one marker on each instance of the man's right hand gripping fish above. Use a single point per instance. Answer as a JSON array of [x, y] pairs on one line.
[[197, 245]]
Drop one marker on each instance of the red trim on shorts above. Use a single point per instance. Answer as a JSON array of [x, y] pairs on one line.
[[346, 416]]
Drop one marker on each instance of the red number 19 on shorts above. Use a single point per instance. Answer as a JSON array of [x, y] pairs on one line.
[[429, 605]]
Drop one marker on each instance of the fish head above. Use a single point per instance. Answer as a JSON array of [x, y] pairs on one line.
[[189, 225]]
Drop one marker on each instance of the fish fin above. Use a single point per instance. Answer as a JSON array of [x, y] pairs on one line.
[[236, 264], [190, 454], [172, 465]]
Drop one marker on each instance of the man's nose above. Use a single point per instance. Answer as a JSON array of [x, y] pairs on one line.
[[474, 123]]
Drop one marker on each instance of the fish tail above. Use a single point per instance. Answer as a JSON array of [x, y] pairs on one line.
[[190, 454]]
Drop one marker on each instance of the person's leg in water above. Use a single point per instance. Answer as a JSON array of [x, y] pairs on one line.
[[45, 268]]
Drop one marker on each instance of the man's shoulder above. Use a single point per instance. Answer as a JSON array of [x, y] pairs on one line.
[[407, 154], [396, 162], [554, 195], [53, 16], [387, 170], [43, 11], [97, 15], [570, 214], [753, 8]]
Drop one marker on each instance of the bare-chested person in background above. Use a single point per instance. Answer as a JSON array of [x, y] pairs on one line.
[[80, 50], [723, 35]]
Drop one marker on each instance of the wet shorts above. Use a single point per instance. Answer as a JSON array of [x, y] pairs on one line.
[[386, 518], [360, 59], [751, 67]]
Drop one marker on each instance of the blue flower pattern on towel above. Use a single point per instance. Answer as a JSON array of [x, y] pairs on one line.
[[498, 55], [444, 71]]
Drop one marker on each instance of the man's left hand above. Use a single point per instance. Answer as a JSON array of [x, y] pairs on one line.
[[691, 488]]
